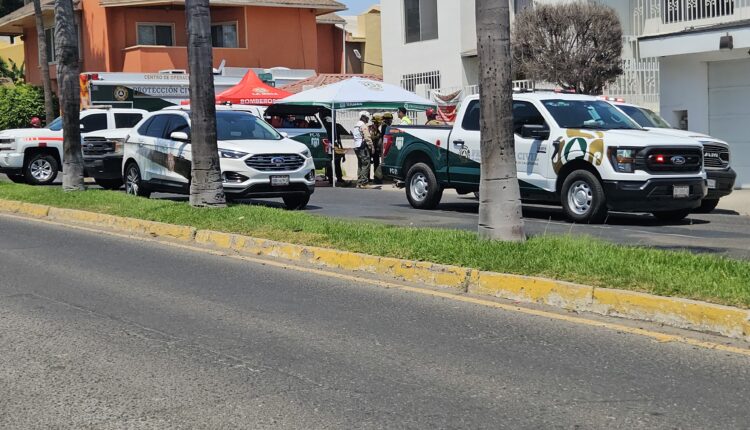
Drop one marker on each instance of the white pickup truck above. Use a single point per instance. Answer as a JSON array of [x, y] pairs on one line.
[[571, 150], [34, 155]]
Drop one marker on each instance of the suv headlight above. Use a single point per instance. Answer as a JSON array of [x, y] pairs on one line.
[[306, 153], [228, 153], [623, 159]]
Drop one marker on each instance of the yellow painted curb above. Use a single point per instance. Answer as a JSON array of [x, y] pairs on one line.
[[682, 313]]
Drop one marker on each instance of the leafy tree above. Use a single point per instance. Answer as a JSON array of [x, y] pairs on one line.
[[575, 45], [18, 104], [499, 193], [9, 69]]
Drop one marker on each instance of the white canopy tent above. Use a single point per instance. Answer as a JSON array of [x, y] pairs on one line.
[[359, 94]]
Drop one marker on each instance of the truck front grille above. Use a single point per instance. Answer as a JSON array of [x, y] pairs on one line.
[[715, 156], [275, 162], [97, 146], [670, 161]]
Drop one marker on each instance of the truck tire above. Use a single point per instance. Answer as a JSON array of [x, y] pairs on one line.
[[707, 206], [41, 169], [422, 188], [296, 202], [109, 184], [672, 216], [583, 199], [18, 179], [134, 182]]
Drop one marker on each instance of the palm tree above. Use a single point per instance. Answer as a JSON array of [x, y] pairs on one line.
[[49, 110], [206, 188], [66, 41], [499, 194]]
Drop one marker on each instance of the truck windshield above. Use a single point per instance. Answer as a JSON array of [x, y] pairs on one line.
[[56, 125], [243, 126], [645, 117], [588, 114]]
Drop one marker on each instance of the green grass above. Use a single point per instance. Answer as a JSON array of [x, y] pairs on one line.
[[576, 259]]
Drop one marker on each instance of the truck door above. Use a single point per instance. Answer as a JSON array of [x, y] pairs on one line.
[[532, 145], [463, 148]]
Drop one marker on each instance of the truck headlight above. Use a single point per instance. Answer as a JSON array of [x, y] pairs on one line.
[[227, 153], [623, 159], [118, 145]]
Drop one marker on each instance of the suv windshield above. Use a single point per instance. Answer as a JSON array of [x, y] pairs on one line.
[[644, 117], [56, 125], [588, 114], [243, 126]]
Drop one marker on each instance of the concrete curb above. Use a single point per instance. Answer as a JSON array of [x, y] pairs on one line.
[[675, 312]]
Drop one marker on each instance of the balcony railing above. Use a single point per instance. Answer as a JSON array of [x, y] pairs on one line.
[[665, 16]]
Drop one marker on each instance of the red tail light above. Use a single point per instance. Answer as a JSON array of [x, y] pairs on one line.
[[326, 146]]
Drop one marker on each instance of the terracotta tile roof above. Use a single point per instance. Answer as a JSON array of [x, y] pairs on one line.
[[331, 18], [322, 5], [325, 79]]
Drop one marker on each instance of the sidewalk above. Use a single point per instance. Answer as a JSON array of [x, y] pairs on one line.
[[738, 201]]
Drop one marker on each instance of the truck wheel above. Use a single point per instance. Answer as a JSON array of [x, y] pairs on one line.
[[18, 179], [707, 206], [672, 216], [134, 183], [109, 184], [422, 188], [295, 202], [583, 198], [41, 169]]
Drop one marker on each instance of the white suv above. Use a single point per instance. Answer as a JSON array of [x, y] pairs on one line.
[[256, 161]]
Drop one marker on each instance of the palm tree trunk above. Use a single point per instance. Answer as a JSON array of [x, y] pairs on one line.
[[49, 110], [500, 198], [68, 80], [206, 189]]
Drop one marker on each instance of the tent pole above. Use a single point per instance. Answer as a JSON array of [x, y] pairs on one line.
[[332, 146]]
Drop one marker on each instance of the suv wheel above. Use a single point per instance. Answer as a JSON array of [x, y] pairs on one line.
[[133, 182], [672, 216], [422, 188], [109, 184], [707, 206], [583, 198], [18, 179], [41, 169], [295, 202]]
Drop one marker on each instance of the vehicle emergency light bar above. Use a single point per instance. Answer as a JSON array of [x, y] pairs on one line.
[[612, 99]]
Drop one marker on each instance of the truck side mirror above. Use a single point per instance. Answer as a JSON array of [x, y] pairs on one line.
[[535, 131], [180, 136]]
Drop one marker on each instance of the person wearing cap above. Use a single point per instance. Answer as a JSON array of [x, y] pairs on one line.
[[377, 146], [363, 148], [432, 118], [405, 120], [36, 122]]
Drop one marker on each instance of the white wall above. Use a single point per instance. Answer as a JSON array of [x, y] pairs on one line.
[[684, 86]]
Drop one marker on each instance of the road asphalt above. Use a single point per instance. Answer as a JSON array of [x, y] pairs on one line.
[[103, 332]]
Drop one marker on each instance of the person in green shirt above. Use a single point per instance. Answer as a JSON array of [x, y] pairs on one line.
[[405, 120]]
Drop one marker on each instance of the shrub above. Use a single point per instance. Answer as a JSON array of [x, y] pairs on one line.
[[18, 104]]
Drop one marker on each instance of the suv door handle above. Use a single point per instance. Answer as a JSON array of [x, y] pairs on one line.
[[459, 142]]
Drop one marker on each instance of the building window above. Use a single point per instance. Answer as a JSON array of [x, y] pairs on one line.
[[421, 20], [409, 82], [224, 35], [49, 39], [156, 34], [691, 10]]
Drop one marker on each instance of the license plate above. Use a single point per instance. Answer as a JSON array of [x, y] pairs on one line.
[[681, 191], [712, 184], [280, 181]]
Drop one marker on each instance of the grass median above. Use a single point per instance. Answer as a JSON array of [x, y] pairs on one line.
[[576, 259]]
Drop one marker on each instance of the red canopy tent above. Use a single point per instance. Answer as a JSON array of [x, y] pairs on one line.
[[252, 91]]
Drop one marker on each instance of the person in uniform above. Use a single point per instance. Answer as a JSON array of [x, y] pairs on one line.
[[377, 146], [363, 148], [338, 151], [432, 118]]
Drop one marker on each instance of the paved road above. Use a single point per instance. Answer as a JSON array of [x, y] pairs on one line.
[[719, 232], [101, 332]]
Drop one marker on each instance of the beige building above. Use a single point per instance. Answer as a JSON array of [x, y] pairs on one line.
[[11, 49], [364, 49]]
